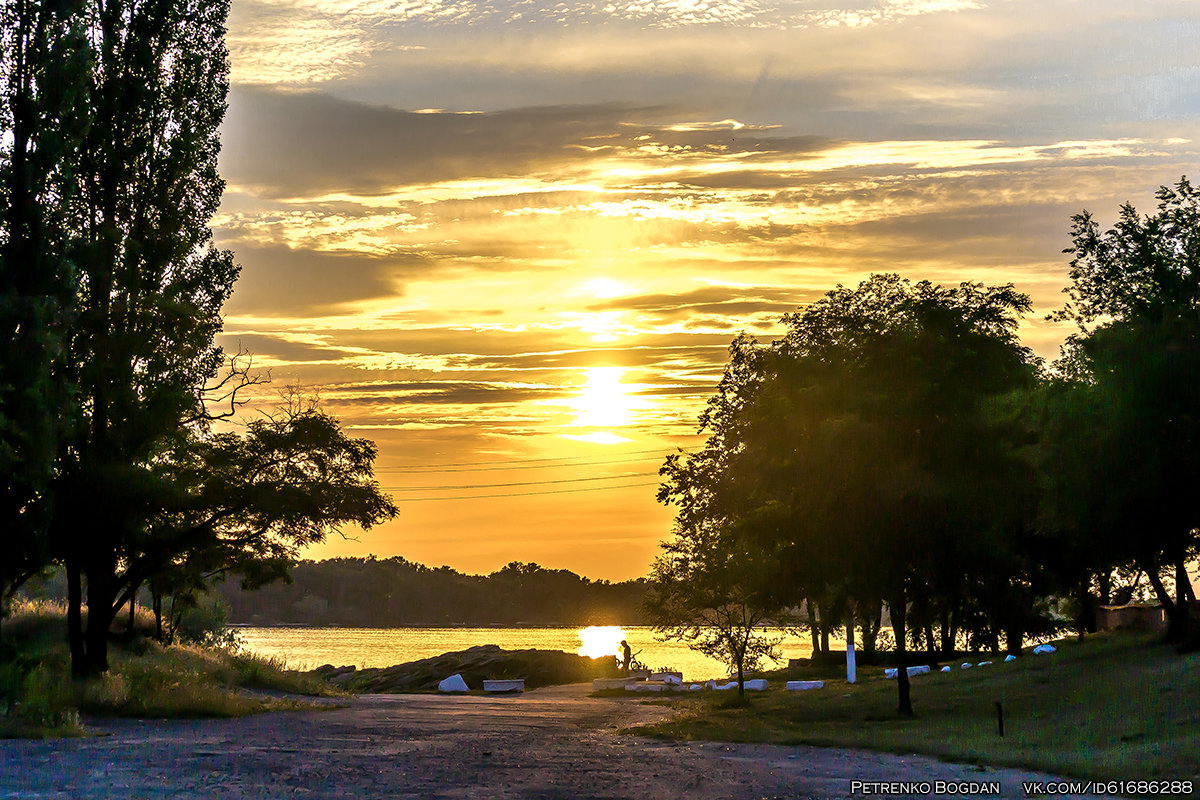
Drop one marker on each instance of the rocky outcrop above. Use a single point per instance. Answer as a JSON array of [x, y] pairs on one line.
[[537, 667]]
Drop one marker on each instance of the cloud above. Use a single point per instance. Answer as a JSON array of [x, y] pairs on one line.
[[278, 280], [295, 144]]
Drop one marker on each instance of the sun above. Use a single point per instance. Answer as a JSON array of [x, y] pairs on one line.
[[598, 641], [604, 401]]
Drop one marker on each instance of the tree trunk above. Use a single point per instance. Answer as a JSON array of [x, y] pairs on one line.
[[1014, 638], [872, 621], [156, 601], [1085, 618], [1183, 597], [101, 594], [1104, 579], [1176, 612], [946, 633], [897, 609], [75, 620], [813, 627]]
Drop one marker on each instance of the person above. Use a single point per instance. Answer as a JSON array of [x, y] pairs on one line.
[[626, 655]]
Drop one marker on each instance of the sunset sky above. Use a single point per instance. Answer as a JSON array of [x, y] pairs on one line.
[[510, 241]]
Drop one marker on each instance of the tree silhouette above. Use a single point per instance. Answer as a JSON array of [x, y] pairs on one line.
[[865, 448], [43, 116], [1135, 294]]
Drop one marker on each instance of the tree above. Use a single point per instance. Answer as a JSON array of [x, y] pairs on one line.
[[246, 504], [42, 119], [868, 445], [705, 591], [149, 285], [1135, 295]]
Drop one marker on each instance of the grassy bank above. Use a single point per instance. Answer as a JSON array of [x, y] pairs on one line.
[[39, 698], [1111, 707]]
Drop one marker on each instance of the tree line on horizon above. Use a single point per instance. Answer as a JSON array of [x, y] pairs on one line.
[[115, 464], [899, 448], [392, 592]]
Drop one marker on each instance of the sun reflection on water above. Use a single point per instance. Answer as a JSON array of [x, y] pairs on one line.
[[598, 641]]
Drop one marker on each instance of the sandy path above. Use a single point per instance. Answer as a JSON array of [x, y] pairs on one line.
[[549, 744]]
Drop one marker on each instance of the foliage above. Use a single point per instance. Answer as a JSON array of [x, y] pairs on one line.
[[42, 117], [111, 136], [387, 592], [872, 447], [148, 287], [1133, 368], [705, 590]]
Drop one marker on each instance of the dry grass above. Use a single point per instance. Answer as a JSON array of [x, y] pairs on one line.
[[145, 679]]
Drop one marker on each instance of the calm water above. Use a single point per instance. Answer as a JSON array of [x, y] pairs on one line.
[[306, 648]]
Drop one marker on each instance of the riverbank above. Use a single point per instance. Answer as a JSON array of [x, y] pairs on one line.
[[1114, 707], [39, 698]]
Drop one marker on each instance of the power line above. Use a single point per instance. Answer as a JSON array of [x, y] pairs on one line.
[[416, 471], [521, 483], [428, 467], [524, 494]]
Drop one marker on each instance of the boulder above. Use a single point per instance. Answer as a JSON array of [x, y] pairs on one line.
[[475, 665], [454, 683]]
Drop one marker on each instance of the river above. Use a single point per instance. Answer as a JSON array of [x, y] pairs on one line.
[[306, 648]]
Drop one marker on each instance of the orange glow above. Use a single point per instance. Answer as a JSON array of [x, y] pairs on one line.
[[510, 235], [598, 641]]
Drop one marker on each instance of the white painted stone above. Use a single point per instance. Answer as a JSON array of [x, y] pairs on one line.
[[517, 685], [1009, 657], [756, 685], [454, 683], [1043, 648], [803, 686]]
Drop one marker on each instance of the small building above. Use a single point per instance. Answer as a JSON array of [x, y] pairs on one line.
[[1131, 617]]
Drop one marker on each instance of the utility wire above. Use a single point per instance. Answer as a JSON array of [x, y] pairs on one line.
[[523, 494], [522, 483], [416, 471], [428, 467]]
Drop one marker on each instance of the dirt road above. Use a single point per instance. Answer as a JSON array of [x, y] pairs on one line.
[[550, 744]]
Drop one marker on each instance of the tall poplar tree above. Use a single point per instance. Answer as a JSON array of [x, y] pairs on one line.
[[43, 113], [150, 284]]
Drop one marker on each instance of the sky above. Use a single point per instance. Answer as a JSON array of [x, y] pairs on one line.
[[511, 240]]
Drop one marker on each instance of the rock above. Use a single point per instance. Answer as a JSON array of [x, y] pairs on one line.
[[802, 686], [454, 683], [477, 664]]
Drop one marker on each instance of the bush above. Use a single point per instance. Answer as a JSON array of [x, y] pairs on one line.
[[39, 702], [206, 621]]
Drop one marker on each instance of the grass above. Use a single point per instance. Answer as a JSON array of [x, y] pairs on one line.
[[38, 698], [1111, 707]]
